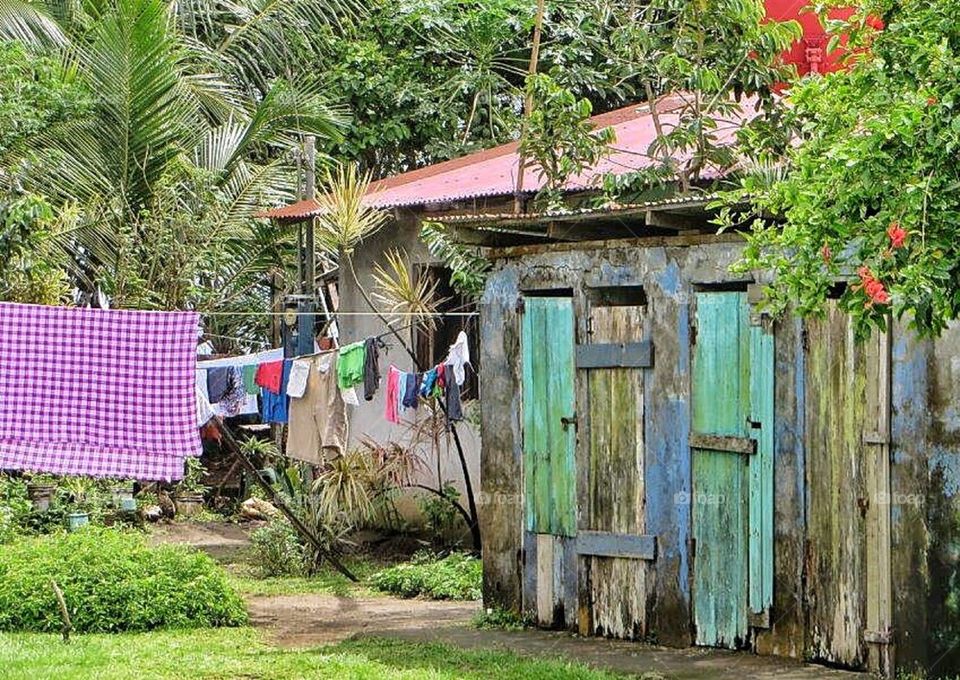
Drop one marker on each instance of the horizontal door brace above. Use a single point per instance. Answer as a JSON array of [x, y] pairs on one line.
[[716, 442]]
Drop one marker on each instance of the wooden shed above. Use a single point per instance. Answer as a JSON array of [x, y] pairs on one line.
[[662, 461]]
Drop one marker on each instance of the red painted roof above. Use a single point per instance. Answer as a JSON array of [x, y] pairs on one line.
[[493, 172]]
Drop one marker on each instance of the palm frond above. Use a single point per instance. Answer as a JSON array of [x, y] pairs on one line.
[[344, 218], [31, 23], [402, 293]]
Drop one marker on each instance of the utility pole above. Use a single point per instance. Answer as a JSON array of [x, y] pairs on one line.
[[306, 309], [528, 102]]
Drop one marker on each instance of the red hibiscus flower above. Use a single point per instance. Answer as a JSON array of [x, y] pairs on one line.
[[897, 234]]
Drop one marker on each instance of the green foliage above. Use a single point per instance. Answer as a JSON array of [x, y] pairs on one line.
[[112, 581], [869, 195], [15, 507], [30, 270], [559, 138], [440, 514], [501, 619], [455, 577], [37, 92], [193, 475], [469, 267], [247, 653], [278, 550], [713, 53]]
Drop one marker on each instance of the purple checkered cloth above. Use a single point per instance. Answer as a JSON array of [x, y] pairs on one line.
[[96, 392]]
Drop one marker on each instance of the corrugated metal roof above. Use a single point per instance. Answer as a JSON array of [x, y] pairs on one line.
[[619, 209], [493, 172]]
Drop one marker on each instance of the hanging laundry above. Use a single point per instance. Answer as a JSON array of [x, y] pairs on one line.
[[270, 376], [250, 379], [441, 381], [429, 382], [109, 393], [454, 407], [235, 396], [371, 368], [350, 365], [299, 373], [401, 391], [218, 383], [410, 398], [458, 356], [391, 412], [275, 405], [204, 409], [318, 421]]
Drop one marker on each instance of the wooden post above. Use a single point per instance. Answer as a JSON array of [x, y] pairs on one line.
[[64, 612], [528, 103]]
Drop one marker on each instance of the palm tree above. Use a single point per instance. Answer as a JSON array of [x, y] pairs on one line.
[[190, 131]]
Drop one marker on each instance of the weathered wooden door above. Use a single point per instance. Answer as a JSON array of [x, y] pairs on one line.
[[549, 441], [837, 398], [549, 416], [732, 489], [612, 548]]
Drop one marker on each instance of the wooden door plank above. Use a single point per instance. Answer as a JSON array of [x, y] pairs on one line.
[[835, 414], [719, 503], [545, 579], [761, 468], [558, 343], [614, 587]]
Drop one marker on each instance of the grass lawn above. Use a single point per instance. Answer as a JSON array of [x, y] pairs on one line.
[[242, 653], [245, 578]]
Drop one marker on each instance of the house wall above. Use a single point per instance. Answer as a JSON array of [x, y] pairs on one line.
[[367, 420], [819, 520]]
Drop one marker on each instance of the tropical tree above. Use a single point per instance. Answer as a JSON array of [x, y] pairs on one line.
[[182, 141], [866, 202]]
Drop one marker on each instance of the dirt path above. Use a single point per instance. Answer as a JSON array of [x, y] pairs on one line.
[[310, 620], [319, 619]]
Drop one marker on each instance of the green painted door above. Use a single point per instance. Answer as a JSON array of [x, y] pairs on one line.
[[549, 417], [721, 441]]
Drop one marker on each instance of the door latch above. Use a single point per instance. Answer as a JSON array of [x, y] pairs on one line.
[[568, 421]]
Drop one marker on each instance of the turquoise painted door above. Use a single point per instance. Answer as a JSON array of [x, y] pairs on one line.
[[721, 443], [549, 418]]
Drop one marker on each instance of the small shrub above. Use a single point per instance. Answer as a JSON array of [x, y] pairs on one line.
[[112, 581], [501, 619], [277, 550], [15, 506], [455, 577]]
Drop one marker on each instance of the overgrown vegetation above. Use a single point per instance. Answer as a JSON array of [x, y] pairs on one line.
[[112, 582], [868, 196], [454, 577]]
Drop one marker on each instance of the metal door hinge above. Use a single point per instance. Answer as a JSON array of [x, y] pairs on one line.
[[567, 421]]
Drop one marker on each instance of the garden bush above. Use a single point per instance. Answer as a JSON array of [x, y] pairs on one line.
[[455, 577], [112, 581], [277, 550]]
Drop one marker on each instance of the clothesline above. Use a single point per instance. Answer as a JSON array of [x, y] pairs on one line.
[[320, 313]]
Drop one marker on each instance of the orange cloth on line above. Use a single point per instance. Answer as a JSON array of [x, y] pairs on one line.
[[270, 375]]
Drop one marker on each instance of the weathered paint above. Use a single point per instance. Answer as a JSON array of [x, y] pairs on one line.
[[837, 495], [761, 465], [721, 406], [501, 479], [910, 534], [612, 588], [669, 269], [549, 416]]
